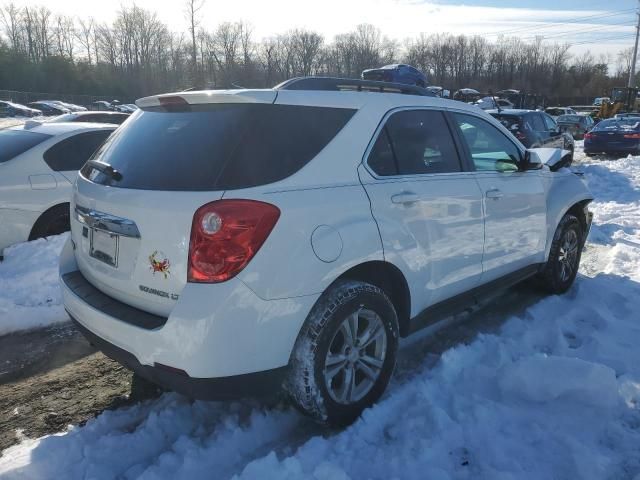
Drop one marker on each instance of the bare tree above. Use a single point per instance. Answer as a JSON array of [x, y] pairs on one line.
[[192, 8]]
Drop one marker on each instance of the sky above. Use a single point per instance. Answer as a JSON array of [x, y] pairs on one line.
[[608, 29]]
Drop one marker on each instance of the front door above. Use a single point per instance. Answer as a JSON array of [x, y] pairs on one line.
[[513, 201]]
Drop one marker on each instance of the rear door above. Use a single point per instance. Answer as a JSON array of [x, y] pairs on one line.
[[428, 208], [513, 201]]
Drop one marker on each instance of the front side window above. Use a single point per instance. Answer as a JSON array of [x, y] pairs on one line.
[[490, 149], [537, 123], [414, 142], [550, 123], [71, 153]]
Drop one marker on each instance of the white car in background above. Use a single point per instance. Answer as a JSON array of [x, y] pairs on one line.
[[225, 243], [38, 165]]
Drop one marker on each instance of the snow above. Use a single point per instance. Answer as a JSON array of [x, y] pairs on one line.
[[29, 293], [553, 393]]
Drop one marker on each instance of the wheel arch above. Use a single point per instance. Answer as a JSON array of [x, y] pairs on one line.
[[43, 216], [391, 280]]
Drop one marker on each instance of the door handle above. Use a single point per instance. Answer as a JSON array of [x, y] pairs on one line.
[[494, 193], [404, 198]]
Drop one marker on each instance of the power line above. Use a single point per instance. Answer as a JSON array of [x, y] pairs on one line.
[[581, 31], [601, 40], [576, 20]]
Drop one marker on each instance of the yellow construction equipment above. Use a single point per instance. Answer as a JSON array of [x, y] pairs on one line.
[[623, 100]]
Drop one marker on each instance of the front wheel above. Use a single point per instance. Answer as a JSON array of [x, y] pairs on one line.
[[345, 354], [561, 268]]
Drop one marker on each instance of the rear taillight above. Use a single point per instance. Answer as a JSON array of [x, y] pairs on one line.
[[632, 135], [520, 135], [225, 235], [587, 136]]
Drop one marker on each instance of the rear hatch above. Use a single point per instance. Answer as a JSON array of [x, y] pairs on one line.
[[136, 198]]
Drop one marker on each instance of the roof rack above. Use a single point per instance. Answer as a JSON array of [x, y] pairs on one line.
[[351, 85]]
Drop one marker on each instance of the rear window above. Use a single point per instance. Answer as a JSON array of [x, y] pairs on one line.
[[216, 147], [511, 122], [16, 142], [630, 124]]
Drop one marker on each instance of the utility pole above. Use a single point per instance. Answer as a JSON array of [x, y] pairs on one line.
[[632, 72]]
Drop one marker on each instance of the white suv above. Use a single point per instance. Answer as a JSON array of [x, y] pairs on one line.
[[38, 164], [227, 243]]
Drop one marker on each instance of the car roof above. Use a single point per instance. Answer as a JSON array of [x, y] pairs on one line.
[[62, 127], [510, 111], [329, 98]]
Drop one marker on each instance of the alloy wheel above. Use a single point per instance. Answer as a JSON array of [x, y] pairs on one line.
[[356, 356]]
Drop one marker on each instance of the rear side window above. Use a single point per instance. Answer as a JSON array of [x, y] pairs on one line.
[[414, 142], [550, 123], [216, 147], [16, 142], [71, 153]]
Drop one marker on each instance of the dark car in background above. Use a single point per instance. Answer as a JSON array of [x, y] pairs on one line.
[[11, 109], [576, 125], [534, 128], [92, 117], [396, 73], [614, 136], [49, 108]]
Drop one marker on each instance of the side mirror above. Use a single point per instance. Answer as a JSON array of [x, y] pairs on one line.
[[531, 161]]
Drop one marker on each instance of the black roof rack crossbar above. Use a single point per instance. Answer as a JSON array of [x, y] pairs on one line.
[[351, 85]]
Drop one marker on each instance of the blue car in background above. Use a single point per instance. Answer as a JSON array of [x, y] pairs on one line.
[[615, 135], [397, 73]]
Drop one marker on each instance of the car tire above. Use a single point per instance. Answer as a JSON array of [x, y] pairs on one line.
[[561, 268], [331, 377], [52, 222]]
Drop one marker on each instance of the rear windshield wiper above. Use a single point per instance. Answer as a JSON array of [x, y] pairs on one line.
[[106, 169]]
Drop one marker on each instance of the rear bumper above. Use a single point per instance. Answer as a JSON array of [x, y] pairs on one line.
[[225, 388], [604, 148], [213, 331]]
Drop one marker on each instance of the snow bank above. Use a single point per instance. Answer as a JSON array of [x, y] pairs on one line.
[[554, 394], [29, 293]]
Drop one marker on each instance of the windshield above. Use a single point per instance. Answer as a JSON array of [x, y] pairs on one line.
[[216, 147], [570, 118], [16, 142]]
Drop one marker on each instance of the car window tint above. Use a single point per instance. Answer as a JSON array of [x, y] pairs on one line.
[[422, 143], [217, 146], [490, 149], [381, 159], [16, 142], [550, 123], [71, 153], [537, 123]]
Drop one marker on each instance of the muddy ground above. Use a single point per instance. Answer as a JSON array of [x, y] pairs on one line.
[[52, 378]]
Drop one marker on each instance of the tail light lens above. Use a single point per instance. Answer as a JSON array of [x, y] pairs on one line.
[[520, 135], [225, 235], [587, 136], [632, 135]]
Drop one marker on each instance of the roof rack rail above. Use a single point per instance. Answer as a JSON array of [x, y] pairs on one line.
[[351, 85]]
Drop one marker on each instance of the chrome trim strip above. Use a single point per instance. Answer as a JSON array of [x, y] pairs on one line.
[[106, 222]]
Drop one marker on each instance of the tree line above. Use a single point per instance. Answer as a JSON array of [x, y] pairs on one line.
[[138, 55]]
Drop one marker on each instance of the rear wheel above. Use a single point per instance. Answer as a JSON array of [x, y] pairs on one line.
[[345, 354], [52, 222], [561, 268]]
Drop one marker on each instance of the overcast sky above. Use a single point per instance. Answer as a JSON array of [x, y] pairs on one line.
[[608, 31]]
